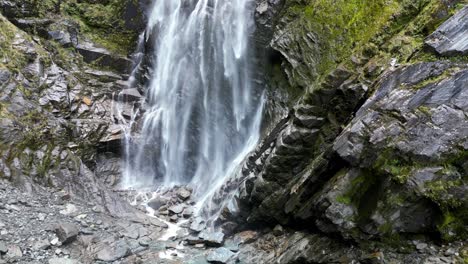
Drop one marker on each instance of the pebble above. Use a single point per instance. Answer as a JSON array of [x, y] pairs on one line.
[[421, 246]]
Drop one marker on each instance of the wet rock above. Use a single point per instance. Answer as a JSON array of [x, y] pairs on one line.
[[220, 255], [66, 232], [176, 209], [184, 193], [194, 240], [188, 212], [198, 224], [451, 38], [157, 222], [144, 241], [113, 252], [174, 218], [104, 76], [157, 202], [214, 239], [130, 95]]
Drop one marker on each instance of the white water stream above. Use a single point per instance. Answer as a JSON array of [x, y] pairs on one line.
[[203, 113]]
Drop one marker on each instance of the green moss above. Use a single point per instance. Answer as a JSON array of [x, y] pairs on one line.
[[344, 199], [341, 25], [399, 170], [10, 57], [426, 110], [437, 191], [357, 189], [454, 225], [103, 24]]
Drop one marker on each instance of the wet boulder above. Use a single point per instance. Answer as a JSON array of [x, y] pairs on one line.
[[214, 239]]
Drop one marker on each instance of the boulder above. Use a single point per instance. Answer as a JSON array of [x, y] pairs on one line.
[[66, 232], [102, 57], [14, 251], [198, 224], [451, 38], [157, 202], [220, 255], [214, 239], [176, 209], [184, 193], [41, 244]]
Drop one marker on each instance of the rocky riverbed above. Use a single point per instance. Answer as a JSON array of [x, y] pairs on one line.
[[49, 226]]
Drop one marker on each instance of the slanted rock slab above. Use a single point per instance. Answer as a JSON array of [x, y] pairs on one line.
[[451, 38], [214, 239], [113, 252], [220, 255]]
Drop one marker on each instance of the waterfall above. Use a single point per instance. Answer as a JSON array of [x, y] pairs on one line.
[[202, 112]]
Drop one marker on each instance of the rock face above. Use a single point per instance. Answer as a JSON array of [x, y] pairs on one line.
[[451, 38], [370, 153]]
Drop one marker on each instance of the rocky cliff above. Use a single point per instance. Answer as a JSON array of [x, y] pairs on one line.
[[363, 157]]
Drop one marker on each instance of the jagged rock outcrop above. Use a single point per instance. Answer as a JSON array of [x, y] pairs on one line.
[[385, 168]]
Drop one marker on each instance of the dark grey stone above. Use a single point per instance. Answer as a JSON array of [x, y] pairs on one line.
[[66, 232], [451, 38]]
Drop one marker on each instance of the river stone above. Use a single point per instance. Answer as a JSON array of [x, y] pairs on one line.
[[198, 225], [219, 255], [41, 245], [212, 238], [14, 251], [63, 261], [176, 209], [157, 222], [3, 248], [187, 212], [451, 38], [66, 232], [184, 193], [157, 202]]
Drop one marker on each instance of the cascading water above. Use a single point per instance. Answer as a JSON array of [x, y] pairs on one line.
[[203, 113]]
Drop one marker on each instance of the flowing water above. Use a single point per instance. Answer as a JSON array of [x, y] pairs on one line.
[[203, 112]]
